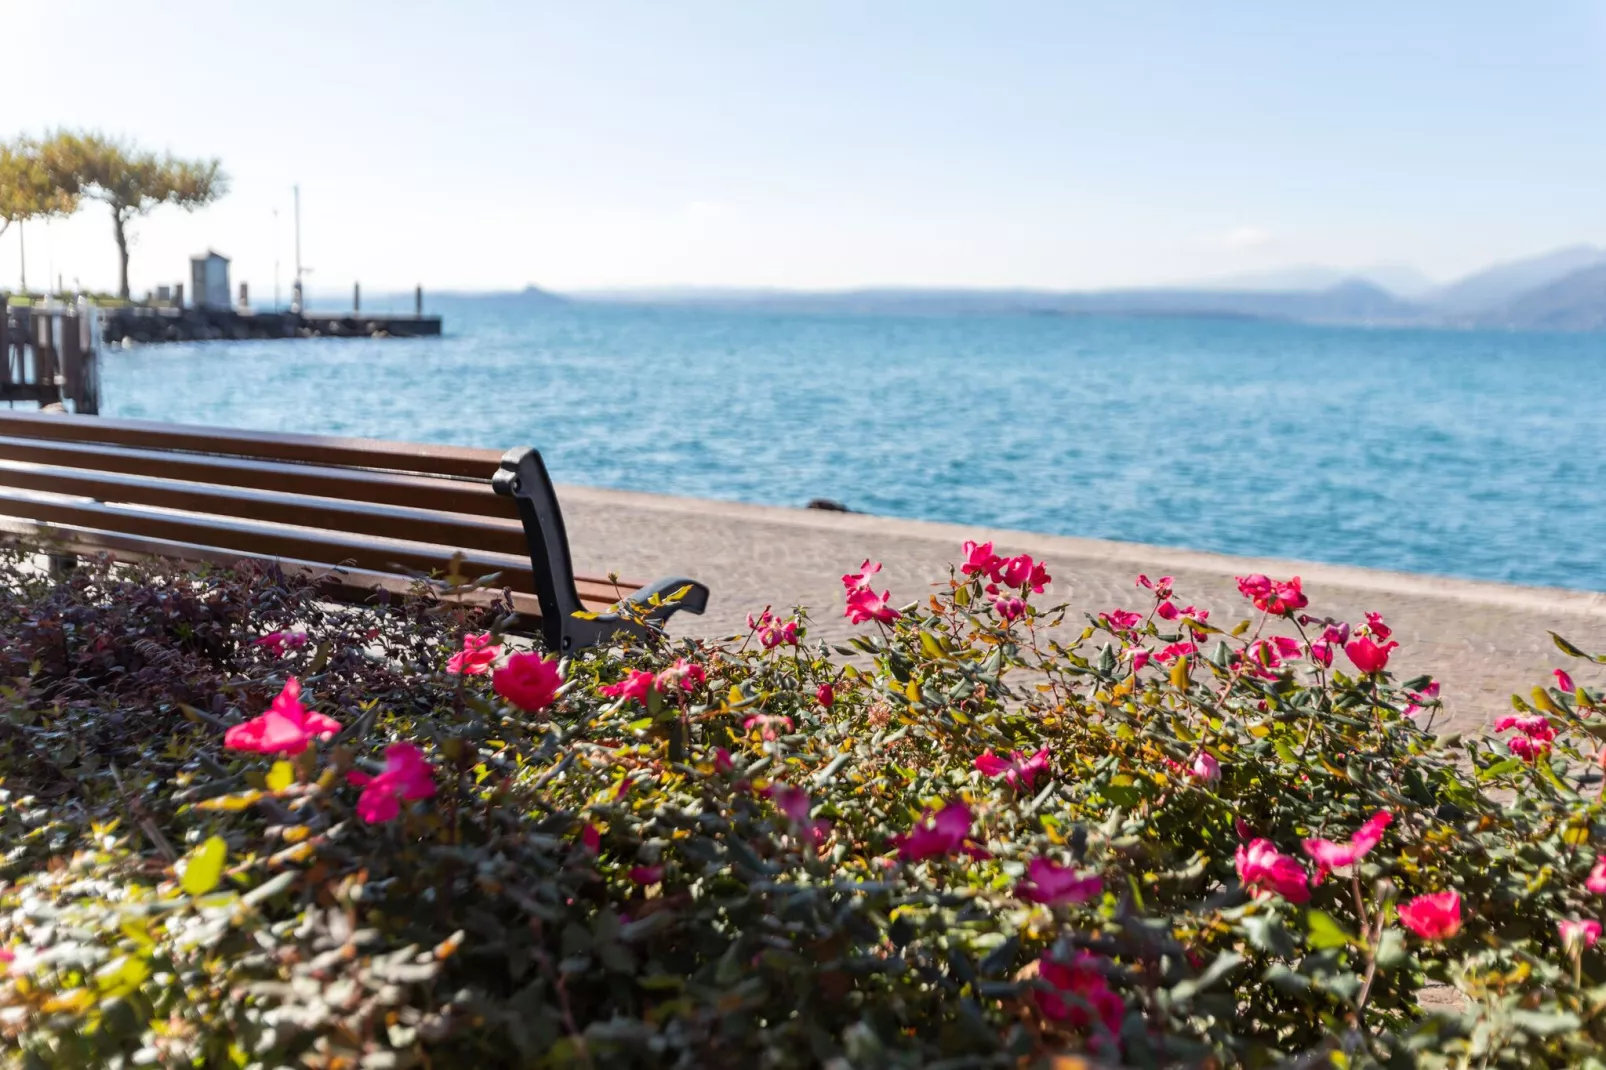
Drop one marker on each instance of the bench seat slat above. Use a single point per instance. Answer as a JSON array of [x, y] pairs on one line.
[[379, 488], [255, 539], [301, 510], [421, 458], [279, 541], [347, 584]]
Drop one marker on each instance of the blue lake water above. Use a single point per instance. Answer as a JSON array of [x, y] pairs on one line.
[[1464, 453]]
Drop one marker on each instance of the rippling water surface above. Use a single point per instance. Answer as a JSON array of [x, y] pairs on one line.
[[1471, 454]]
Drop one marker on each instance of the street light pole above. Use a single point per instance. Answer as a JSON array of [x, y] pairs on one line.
[[295, 289]]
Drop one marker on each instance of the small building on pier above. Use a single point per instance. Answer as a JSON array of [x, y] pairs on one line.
[[209, 280]]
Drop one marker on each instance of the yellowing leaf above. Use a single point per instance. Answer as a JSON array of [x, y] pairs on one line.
[[1179, 674], [122, 973], [1545, 702], [135, 930], [72, 1001], [298, 853], [281, 776], [204, 866], [237, 801]]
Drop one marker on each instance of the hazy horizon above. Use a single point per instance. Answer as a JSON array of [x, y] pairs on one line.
[[1031, 146]]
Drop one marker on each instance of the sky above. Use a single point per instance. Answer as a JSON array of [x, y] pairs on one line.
[[826, 145]]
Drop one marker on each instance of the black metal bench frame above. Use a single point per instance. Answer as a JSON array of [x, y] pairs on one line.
[[523, 477]]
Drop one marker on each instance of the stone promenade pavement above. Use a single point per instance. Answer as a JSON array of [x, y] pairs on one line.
[[1482, 640]]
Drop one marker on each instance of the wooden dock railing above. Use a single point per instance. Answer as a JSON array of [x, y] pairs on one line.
[[47, 356]]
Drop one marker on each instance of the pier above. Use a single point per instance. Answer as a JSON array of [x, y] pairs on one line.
[[144, 324]]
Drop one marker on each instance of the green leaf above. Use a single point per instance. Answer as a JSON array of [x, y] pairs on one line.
[[203, 868], [1549, 773], [1223, 965], [1391, 949], [1285, 980], [1567, 648], [1266, 933], [1001, 957], [1325, 932], [269, 889], [1125, 795], [1500, 768], [1545, 1023]]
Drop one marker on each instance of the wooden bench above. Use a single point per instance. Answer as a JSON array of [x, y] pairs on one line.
[[358, 513]]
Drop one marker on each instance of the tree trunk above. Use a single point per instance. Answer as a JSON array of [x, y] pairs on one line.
[[121, 234]]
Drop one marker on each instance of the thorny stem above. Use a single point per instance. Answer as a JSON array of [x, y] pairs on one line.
[[1375, 935], [564, 1007], [1360, 901]]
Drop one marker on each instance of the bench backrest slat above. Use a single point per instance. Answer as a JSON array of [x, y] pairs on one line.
[[351, 484], [457, 462], [455, 530]]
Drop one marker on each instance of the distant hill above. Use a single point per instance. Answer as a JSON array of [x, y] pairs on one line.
[[1575, 302], [1560, 290], [531, 294], [1401, 280], [1495, 287], [1350, 301]]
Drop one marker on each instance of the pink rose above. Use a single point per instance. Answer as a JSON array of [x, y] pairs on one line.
[[529, 681], [1581, 935], [1368, 656], [936, 835], [1206, 768], [864, 605], [1053, 884], [476, 657], [1435, 917], [1263, 869], [1329, 856], [638, 685], [406, 776], [286, 727], [1272, 596]]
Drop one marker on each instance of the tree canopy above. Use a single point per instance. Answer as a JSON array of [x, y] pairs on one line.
[[28, 186], [131, 180]]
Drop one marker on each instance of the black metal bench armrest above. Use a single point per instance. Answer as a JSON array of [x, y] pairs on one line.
[[523, 477]]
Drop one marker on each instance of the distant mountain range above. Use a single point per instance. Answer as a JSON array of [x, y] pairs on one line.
[[1560, 290]]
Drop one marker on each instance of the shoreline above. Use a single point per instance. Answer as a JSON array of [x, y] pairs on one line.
[[1146, 555], [1482, 639]]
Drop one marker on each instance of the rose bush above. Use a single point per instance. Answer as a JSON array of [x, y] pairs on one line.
[[242, 827]]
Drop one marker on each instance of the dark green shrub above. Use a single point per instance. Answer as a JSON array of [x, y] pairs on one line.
[[972, 839]]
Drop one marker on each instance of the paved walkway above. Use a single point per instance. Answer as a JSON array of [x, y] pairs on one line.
[[1482, 640]]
